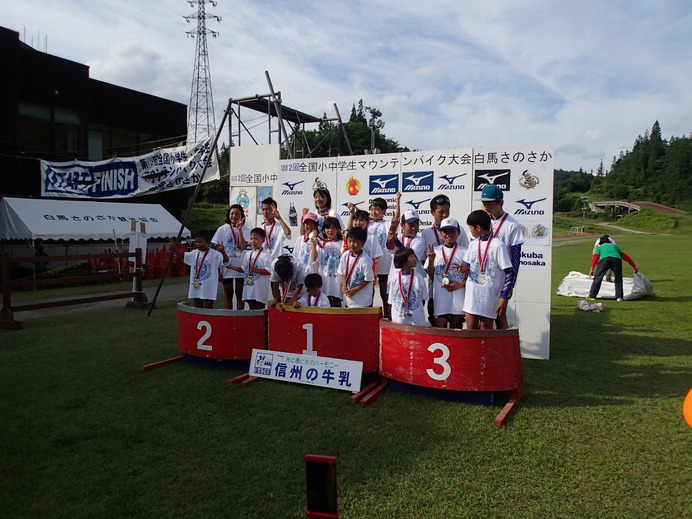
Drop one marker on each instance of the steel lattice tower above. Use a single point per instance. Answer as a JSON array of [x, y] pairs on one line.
[[200, 120]]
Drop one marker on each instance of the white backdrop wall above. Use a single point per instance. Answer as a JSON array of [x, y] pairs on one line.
[[525, 174]]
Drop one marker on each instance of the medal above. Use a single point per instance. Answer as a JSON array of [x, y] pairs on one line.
[[198, 269], [250, 265], [406, 297], [237, 254], [269, 251], [447, 263], [481, 279]]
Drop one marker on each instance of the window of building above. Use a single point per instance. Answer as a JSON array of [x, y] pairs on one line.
[[35, 125], [68, 126]]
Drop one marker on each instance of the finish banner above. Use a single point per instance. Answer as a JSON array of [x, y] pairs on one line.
[[123, 177]]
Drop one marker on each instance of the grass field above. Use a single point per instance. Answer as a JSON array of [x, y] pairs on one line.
[[598, 434]]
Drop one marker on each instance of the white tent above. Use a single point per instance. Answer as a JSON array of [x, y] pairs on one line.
[[32, 219]]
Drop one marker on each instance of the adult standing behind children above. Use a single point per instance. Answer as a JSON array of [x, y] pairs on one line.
[[276, 235], [507, 230], [608, 256], [234, 236]]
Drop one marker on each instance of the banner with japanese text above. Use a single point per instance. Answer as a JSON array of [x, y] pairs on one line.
[[123, 177], [525, 174]]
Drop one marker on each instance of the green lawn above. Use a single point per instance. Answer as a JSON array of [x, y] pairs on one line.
[[598, 434]]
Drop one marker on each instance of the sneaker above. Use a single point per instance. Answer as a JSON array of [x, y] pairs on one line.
[[620, 299]]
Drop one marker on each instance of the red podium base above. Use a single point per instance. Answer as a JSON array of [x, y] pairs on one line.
[[455, 360], [221, 334], [350, 334]]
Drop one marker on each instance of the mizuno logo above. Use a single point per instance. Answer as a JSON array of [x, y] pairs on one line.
[[451, 180], [416, 205], [529, 205], [291, 185]]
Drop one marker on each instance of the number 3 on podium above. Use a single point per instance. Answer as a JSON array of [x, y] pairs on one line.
[[441, 360]]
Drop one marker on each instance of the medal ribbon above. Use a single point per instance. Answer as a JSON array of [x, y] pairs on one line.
[[410, 240], [268, 235], [285, 290], [437, 236], [316, 298], [502, 222], [407, 297], [482, 259], [251, 263], [448, 264], [198, 265], [235, 238], [349, 272]]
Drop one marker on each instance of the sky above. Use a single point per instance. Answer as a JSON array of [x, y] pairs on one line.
[[585, 77]]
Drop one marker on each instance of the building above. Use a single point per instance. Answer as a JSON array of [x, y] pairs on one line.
[[51, 109]]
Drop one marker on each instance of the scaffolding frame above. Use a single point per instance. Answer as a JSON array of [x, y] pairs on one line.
[[272, 106]]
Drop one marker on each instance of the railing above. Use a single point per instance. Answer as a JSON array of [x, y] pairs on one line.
[[7, 319]]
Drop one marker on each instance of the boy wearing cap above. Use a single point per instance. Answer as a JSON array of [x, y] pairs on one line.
[[445, 269], [410, 224], [507, 230]]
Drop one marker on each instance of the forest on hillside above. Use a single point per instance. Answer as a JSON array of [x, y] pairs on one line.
[[655, 169]]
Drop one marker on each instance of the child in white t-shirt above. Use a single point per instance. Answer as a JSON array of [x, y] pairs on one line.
[[490, 275], [313, 296], [448, 281], [407, 289], [287, 279], [325, 255], [275, 235], [355, 268], [256, 269], [205, 264]]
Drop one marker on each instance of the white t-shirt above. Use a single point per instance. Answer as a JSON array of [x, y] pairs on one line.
[[510, 230], [327, 265], [433, 236], [418, 245], [229, 238], [301, 250], [256, 286], [322, 301], [287, 288], [413, 310], [482, 299], [320, 218], [361, 271], [446, 302], [379, 229], [274, 241], [204, 271]]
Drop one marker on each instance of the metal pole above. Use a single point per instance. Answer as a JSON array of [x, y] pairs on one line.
[[189, 209]]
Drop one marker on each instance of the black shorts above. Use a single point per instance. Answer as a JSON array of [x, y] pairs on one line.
[[382, 278], [226, 281]]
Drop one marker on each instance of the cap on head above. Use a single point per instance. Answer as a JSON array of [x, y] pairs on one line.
[[309, 216], [491, 193], [410, 216], [449, 223]]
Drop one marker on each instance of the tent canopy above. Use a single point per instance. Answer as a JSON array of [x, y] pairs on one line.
[[32, 219]]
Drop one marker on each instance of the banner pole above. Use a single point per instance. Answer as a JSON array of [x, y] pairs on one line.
[[190, 206]]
